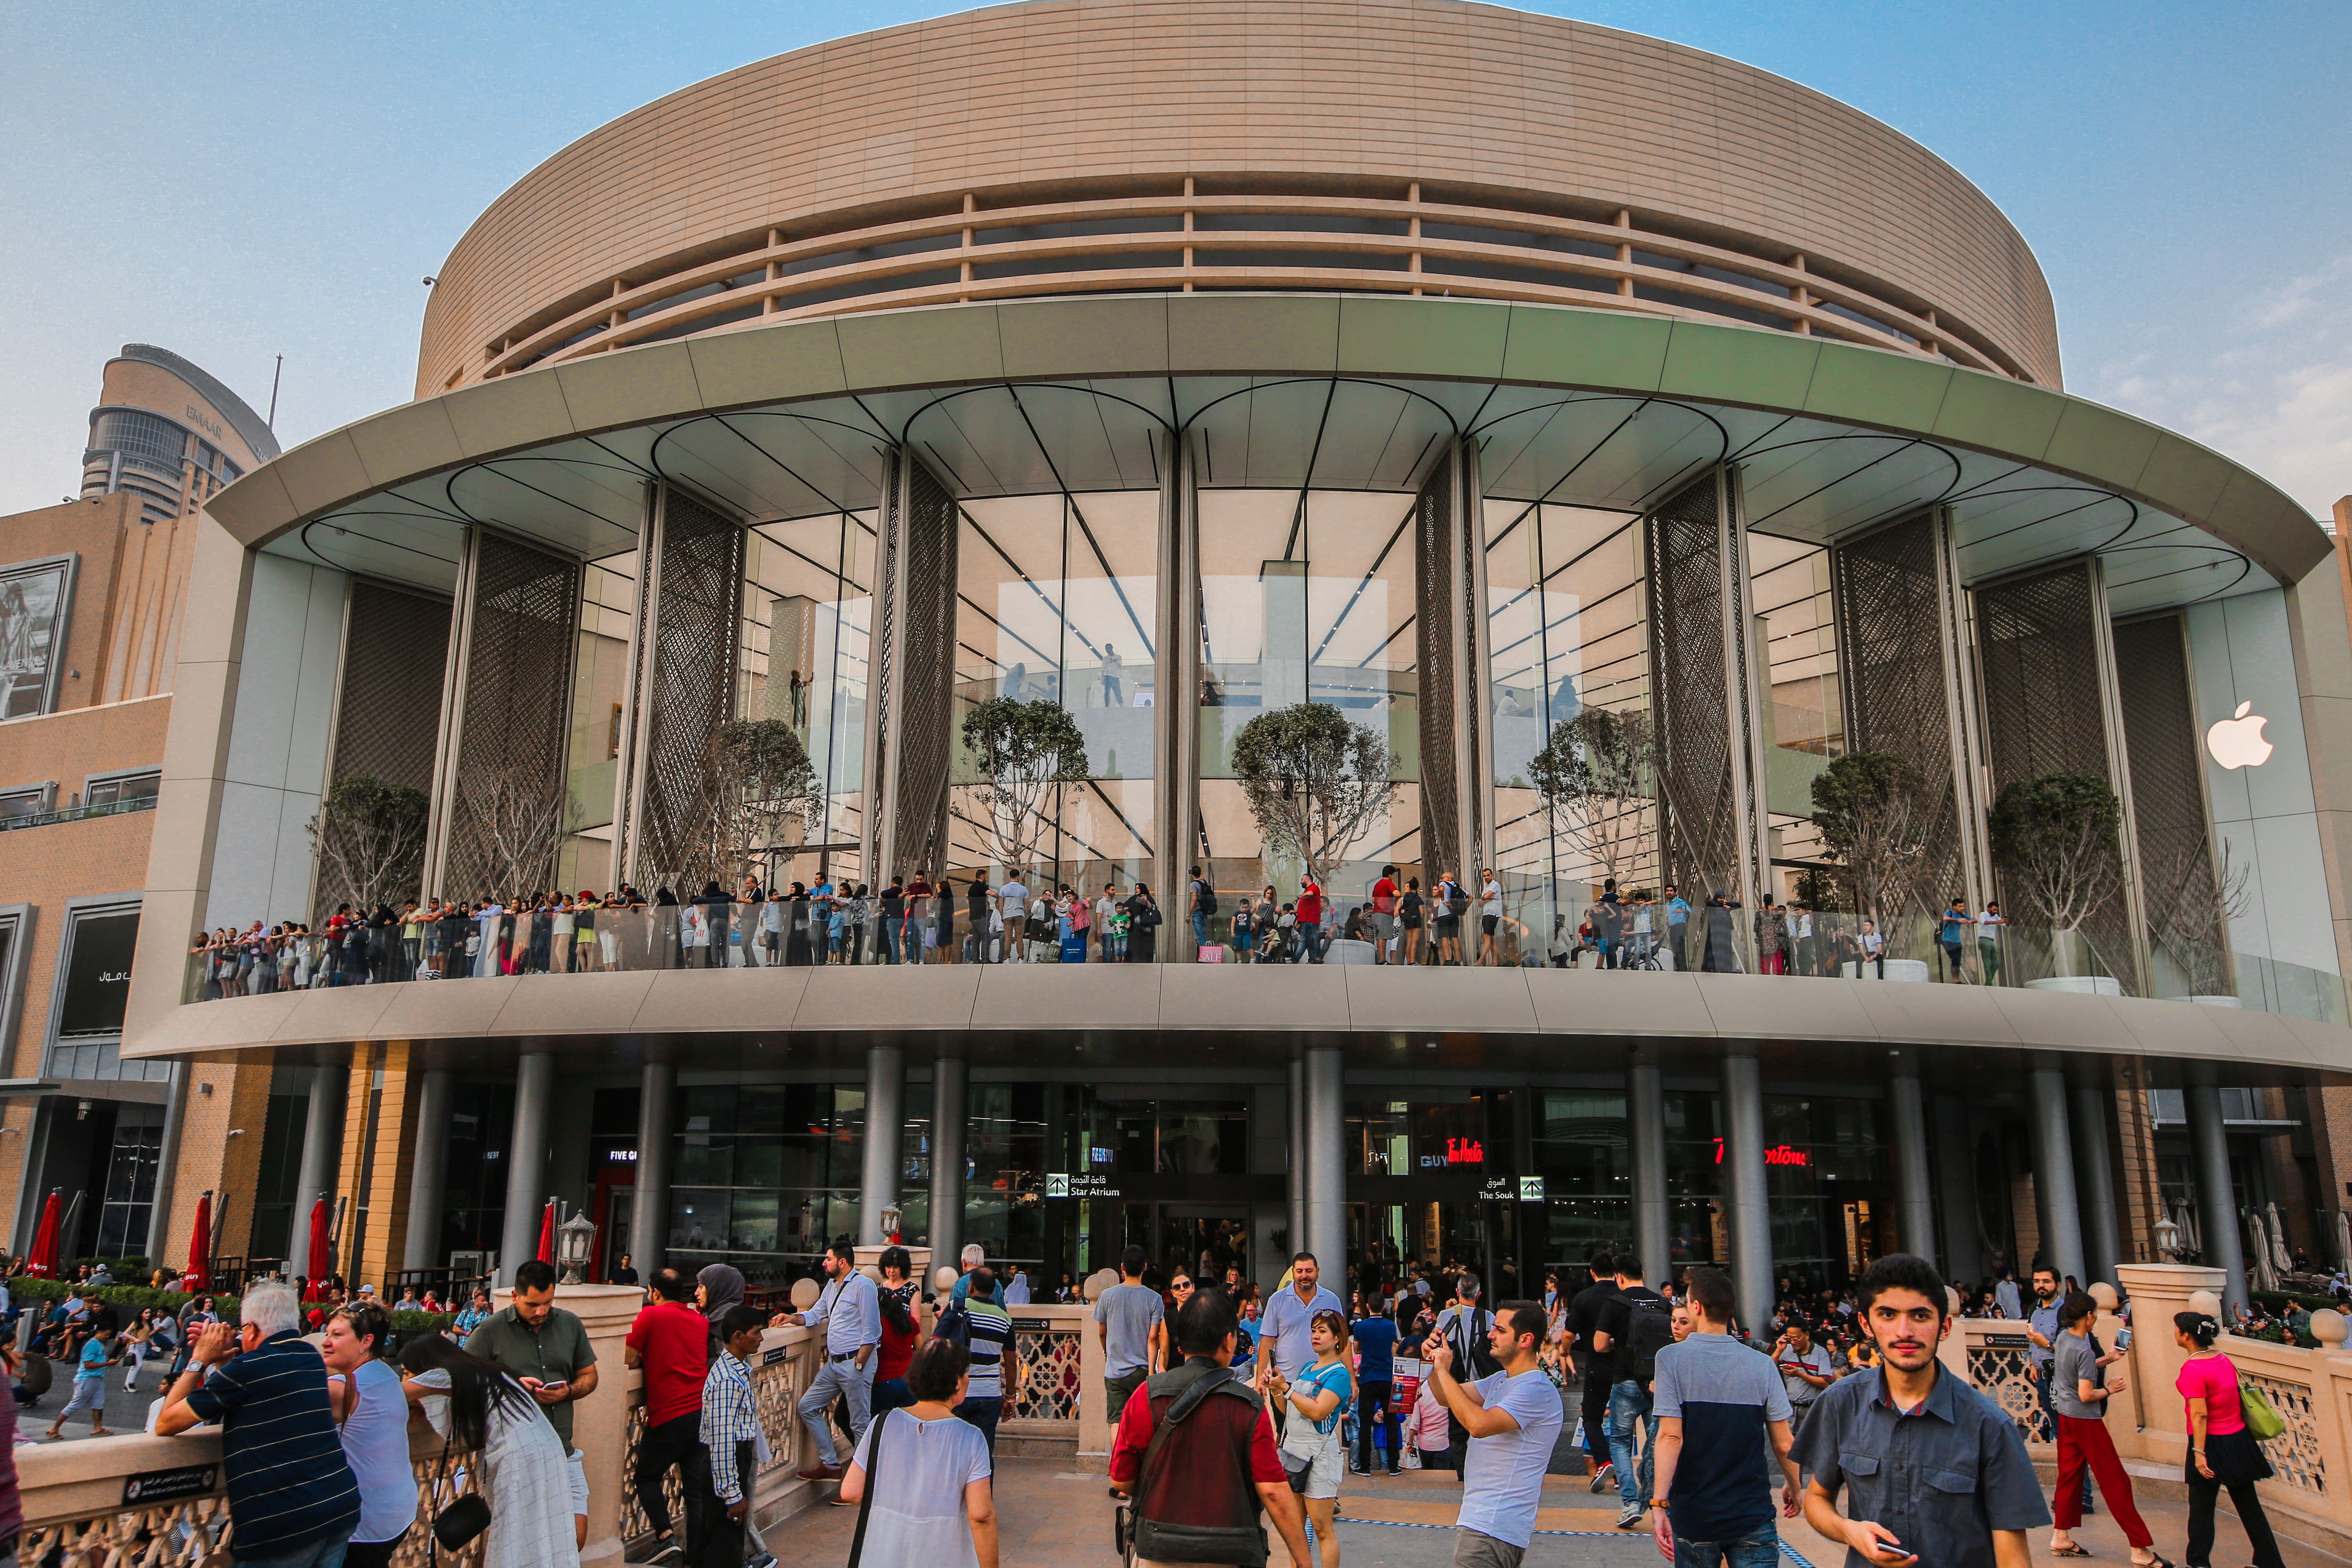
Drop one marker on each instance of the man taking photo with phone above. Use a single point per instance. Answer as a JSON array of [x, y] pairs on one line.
[[1936, 1473]]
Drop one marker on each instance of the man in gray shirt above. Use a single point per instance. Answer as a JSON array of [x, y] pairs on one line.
[[1125, 1316], [2042, 1338], [1894, 1439]]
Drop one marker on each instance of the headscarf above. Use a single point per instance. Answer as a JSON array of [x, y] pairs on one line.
[[722, 1286]]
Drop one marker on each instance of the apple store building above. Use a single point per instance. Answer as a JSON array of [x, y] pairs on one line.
[[1540, 590]]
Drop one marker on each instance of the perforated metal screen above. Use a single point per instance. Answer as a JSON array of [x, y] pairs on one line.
[[1689, 701], [506, 794], [688, 684], [1891, 642], [2161, 747], [925, 622], [1443, 607], [387, 720]]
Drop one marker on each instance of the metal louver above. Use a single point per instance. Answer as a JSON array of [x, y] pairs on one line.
[[503, 777], [1443, 607], [1690, 699], [2168, 784], [913, 691], [386, 720], [692, 596]]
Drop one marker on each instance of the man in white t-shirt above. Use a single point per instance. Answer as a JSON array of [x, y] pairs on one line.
[[1012, 908], [1513, 1418], [1490, 916]]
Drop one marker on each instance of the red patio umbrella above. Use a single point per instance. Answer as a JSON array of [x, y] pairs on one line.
[[547, 1233], [198, 1276], [43, 1263], [322, 1251]]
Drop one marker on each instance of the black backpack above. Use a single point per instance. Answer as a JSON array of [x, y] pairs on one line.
[[1208, 895], [1649, 1328]]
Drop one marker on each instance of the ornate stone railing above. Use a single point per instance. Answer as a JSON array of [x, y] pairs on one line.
[[1050, 1344], [781, 1373]]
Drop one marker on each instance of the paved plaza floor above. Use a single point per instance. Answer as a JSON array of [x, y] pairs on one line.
[[1051, 1516]]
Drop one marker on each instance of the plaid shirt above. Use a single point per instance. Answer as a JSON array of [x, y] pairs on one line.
[[727, 1419]]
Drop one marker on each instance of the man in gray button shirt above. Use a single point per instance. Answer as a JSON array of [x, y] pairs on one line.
[[1936, 1474]]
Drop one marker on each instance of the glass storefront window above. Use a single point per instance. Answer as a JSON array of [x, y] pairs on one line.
[[1058, 596], [1802, 717], [608, 613], [1566, 630], [767, 1174], [809, 605], [1306, 596], [1175, 1137]]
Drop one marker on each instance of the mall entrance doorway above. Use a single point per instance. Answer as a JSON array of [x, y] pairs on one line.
[[1440, 1236], [1203, 1239]]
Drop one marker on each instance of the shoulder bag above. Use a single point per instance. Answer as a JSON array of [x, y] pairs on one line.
[[2262, 1419], [457, 1525], [865, 1502]]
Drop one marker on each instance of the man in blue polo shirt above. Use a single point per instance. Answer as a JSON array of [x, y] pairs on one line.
[[1281, 1342], [292, 1498], [1718, 1406]]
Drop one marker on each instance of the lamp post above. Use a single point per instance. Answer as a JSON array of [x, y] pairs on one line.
[[892, 1219], [2168, 1238], [575, 1243]]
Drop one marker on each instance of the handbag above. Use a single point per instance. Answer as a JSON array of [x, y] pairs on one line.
[[866, 1502], [2262, 1419], [457, 1525]]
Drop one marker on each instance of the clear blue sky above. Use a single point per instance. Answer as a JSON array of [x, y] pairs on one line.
[[235, 182]]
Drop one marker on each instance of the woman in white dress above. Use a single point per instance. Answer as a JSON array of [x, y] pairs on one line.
[[934, 1504], [522, 1470]]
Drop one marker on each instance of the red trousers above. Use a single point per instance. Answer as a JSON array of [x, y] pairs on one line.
[[2080, 1443]]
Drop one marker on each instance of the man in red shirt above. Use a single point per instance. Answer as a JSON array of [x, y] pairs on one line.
[[1190, 1498], [901, 1329], [1384, 903], [1310, 923], [670, 1343]]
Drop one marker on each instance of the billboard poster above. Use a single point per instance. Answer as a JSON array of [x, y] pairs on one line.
[[32, 613], [98, 975]]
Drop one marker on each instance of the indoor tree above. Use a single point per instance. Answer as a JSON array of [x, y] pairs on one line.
[[1021, 752], [371, 840], [1874, 811], [1596, 776], [2058, 842], [1315, 781]]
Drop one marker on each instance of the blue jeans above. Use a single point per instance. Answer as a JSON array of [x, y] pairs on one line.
[[326, 1552], [894, 930], [1760, 1548], [1628, 1401], [1200, 930], [983, 1413], [913, 938]]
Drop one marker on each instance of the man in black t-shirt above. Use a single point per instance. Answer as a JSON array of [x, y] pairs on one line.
[[1629, 1329], [1583, 1310]]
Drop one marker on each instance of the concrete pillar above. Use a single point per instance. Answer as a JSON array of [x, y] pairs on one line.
[[421, 1248], [527, 1162], [1915, 1195], [2216, 1196], [1645, 1121], [167, 1163], [2053, 1168], [886, 1118], [951, 1114], [323, 1148], [1326, 1169], [1294, 1170], [600, 1423], [2094, 1180], [1744, 1188], [656, 1157]]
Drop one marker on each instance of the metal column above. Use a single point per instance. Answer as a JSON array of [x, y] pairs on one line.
[[428, 1171], [1327, 1170], [1915, 1195], [2094, 1180], [1176, 719], [1744, 1188], [322, 1148], [885, 1116], [2053, 1168], [656, 1156], [2217, 1195], [1645, 1117], [527, 1151], [951, 1108]]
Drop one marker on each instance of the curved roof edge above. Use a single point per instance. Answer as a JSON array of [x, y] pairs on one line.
[[780, 1007], [257, 434], [1106, 336]]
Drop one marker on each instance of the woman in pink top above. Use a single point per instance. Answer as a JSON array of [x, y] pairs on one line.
[[2221, 1452]]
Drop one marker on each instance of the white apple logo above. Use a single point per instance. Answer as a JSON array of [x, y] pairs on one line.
[[2237, 741]]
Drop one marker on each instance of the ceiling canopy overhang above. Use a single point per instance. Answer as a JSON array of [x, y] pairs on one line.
[[1574, 407]]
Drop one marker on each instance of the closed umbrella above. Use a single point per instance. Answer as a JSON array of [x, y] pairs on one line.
[[547, 1234], [200, 1247], [322, 1251], [43, 1263]]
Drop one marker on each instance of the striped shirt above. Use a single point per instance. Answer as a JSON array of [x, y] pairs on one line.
[[728, 1418], [289, 1484], [991, 1333]]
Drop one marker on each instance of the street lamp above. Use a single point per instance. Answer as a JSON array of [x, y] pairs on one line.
[[891, 1219], [575, 1243], [2168, 1238]]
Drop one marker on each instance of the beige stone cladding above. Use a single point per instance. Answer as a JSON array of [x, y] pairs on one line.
[[1088, 96]]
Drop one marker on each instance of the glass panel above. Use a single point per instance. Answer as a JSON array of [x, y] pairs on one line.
[[1804, 730], [1306, 596], [608, 612], [1567, 631], [808, 609]]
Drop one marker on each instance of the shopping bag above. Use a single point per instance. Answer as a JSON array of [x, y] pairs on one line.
[[1213, 954]]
